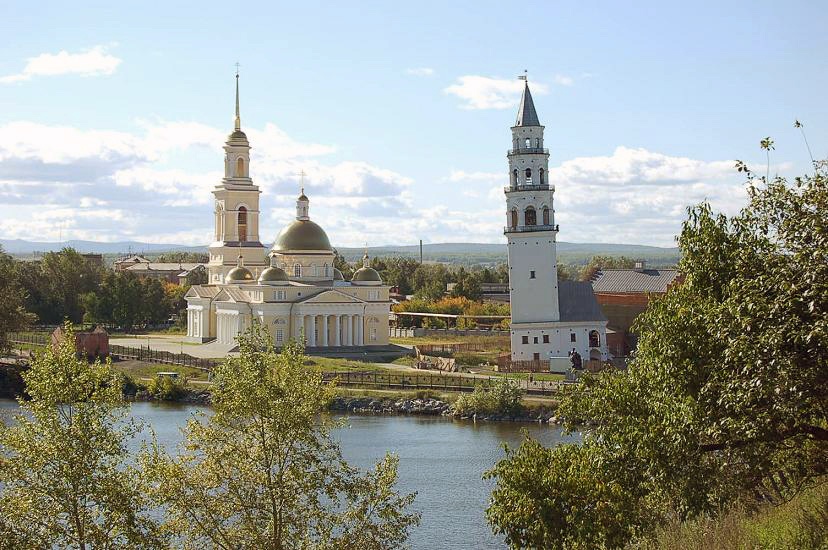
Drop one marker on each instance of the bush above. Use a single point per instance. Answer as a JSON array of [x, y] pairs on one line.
[[164, 388], [502, 397], [472, 359]]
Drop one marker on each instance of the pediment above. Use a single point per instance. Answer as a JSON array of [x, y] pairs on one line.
[[332, 296]]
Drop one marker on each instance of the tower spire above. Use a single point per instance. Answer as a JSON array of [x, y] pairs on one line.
[[527, 116], [238, 116]]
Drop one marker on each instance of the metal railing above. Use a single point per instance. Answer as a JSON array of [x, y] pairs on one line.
[[529, 228], [440, 382], [527, 187], [527, 150]]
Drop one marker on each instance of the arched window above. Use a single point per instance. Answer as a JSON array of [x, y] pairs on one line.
[[514, 217], [297, 270], [240, 168], [528, 175], [242, 224], [594, 339], [545, 215], [514, 179], [528, 143], [540, 175], [327, 270], [537, 143], [530, 216]]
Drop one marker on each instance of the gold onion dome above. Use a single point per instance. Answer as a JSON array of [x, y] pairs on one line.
[[302, 235], [366, 275], [273, 275], [239, 274]]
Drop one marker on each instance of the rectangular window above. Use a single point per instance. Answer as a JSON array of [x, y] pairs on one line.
[[373, 294], [531, 274], [545, 338], [572, 337], [524, 339], [536, 357], [536, 340], [281, 295], [373, 335], [280, 336]]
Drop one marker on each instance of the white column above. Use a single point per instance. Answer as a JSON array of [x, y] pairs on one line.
[[346, 330], [311, 330], [323, 332], [336, 330], [299, 326], [361, 329]]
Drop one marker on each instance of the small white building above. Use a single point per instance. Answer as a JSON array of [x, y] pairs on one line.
[[549, 319], [292, 289]]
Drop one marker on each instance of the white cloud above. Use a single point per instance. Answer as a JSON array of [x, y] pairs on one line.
[[483, 92], [420, 71], [563, 80], [92, 62]]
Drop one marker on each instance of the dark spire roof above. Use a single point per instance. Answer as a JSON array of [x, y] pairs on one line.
[[527, 116]]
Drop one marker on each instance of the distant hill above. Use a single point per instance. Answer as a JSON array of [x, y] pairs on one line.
[[460, 253]]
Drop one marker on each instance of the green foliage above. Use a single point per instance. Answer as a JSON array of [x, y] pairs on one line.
[[182, 257], [55, 283], [725, 398], [167, 388], [13, 316], [801, 523], [64, 477], [125, 300], [502, 397], [263, 470]]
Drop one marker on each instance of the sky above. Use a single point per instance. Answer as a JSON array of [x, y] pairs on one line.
[[113, 114]]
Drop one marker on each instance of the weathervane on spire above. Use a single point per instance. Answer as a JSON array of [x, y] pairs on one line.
[[524, 76]]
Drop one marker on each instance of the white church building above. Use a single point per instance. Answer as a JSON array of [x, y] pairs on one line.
[[550, 318], [293, 288]]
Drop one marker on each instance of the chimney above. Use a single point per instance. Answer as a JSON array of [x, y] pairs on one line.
[[640, 265]]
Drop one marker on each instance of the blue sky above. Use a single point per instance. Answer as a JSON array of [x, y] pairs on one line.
[[112, 114]]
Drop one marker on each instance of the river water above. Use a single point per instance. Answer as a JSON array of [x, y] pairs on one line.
[[441, 459]]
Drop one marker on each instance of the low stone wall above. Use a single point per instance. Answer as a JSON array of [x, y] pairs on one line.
[[458, 332], [433, 407]]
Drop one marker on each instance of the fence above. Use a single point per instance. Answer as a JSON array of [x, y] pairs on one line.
[[397, 332], [41, 339], [505, 364], [439, 382]]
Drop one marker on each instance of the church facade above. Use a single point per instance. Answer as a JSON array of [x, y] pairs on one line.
[[293, 288], [550, 318]]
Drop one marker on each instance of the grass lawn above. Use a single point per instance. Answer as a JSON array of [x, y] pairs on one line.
[[332, 364], [536, 376], [140, 369]]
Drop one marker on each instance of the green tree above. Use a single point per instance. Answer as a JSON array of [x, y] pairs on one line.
[[263, 470], [183, 257], [467, 286], [64, 477], [725, 398], [67, 275], [13, 315], [342, 265]]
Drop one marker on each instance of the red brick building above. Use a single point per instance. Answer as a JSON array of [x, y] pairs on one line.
[[623, 295]]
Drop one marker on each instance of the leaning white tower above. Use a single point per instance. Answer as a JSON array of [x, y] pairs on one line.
[[531, 233]]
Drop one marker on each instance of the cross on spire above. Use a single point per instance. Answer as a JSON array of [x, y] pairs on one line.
[[238, 116], [302, 175]]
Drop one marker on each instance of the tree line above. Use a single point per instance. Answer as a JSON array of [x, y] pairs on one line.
[[65, 285]]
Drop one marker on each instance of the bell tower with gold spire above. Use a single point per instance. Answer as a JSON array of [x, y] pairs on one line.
[[236, 210]]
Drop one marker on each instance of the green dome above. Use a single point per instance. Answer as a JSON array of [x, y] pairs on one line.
[[366, 275], [302, 235], [239, 274]]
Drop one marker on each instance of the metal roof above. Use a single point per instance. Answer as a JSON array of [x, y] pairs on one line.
[[163, 266], [577, 302], [527, 116], [203, 291], [631, 281]]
